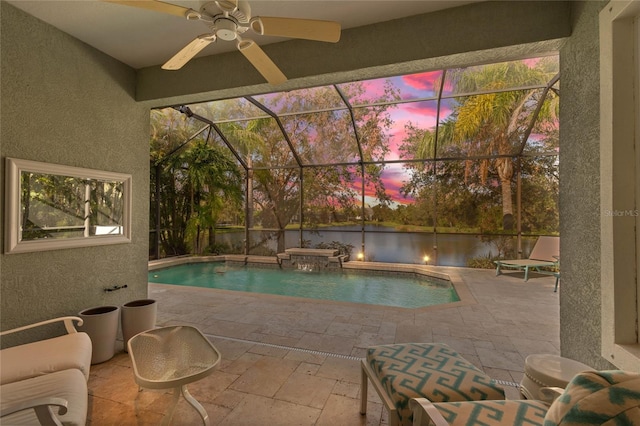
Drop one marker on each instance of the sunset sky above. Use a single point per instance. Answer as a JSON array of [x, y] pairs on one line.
[[419, 94], [418, 106]]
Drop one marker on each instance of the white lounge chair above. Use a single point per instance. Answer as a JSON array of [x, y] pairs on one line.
[[545, 253]]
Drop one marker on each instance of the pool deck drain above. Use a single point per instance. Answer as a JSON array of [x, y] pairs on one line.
[[314, 352], [286, 348]]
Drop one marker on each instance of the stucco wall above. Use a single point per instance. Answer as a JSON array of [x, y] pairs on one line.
[[580, 188], [64, 102]]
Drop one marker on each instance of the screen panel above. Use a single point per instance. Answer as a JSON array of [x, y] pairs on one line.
[[326, 137]]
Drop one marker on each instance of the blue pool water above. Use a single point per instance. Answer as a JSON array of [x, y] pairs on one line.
[[403, 292]]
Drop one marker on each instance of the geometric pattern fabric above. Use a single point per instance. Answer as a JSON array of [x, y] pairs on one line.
[[476, 413], [428, 370], [598, 398], [608, 398]]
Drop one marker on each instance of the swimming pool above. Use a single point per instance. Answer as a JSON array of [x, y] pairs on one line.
[[405, 292]]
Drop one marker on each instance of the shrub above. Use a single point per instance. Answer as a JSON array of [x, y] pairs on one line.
[[336, 245], [483, 262]]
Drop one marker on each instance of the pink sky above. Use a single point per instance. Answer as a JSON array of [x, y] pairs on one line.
[[421, 114]]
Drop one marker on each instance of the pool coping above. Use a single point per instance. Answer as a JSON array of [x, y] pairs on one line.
[[461, 288]]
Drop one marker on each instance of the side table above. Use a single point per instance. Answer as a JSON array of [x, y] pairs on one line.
[[545, 370]]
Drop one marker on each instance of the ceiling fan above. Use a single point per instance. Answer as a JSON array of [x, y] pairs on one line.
[[228, 20]]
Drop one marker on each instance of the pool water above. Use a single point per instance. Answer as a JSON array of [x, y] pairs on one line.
[[406, 292]]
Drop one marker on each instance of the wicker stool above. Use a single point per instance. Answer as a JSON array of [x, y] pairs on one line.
[[421, 370]]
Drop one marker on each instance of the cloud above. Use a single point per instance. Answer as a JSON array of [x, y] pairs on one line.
[[393, 178], [423, 81], [423, 108]]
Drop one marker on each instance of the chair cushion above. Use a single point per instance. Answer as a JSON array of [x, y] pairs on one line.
[[46, 356], [596, 398], [428, 370], [474, 413], [66, 384]]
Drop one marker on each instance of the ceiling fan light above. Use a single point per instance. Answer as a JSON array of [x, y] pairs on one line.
[[226, 29]]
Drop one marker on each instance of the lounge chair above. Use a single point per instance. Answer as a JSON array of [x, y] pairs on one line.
[[591, 398], [435, 371], [545, 253]]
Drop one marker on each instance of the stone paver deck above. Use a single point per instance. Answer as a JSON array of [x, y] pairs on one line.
[[292, 361]]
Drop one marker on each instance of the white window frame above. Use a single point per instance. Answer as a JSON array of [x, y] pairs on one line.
[[619, 186]]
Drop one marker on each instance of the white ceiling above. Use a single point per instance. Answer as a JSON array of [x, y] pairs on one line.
[[142, 38]]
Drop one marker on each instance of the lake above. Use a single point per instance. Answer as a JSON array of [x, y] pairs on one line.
[[382, 244]]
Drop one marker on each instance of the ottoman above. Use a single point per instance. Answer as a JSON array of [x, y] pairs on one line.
[[545, 370], [422, 370]]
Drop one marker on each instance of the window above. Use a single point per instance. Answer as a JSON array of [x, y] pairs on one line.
[[619, 175]]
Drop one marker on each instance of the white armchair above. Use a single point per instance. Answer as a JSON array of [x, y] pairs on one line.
[[45, 382], [42, 407]]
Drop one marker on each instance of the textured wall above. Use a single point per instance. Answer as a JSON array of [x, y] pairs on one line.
[[580, 188], [64, 102]]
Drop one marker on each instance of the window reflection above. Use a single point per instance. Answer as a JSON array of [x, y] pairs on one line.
[[56, 207]]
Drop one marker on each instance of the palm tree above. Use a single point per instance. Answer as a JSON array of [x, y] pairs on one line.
[[490, 126], [213, 177], [196, 180]]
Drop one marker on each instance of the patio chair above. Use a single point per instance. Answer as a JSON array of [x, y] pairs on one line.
[[591, 398], [435, 371], [545, 253], [171, 358]]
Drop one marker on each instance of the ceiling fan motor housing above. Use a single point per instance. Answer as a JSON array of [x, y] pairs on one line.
[[225, 29]]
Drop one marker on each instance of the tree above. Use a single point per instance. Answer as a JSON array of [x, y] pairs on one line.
[[490, 126], [213, 178], [197, 180], [317, 138]]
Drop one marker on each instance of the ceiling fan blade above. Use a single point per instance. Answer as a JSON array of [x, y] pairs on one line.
[[261, 61], [189, 51], [308, 29], [155, 5]]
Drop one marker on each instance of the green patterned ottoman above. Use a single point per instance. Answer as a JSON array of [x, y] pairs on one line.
[[422, 370], [486, 413]]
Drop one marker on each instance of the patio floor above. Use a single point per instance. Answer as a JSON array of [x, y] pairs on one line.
[[292, 361]]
